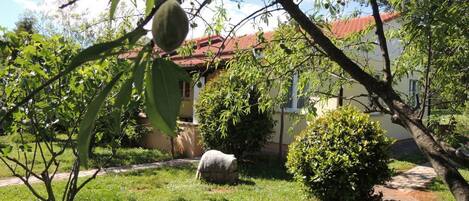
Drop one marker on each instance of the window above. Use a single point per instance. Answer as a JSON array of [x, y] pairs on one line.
[[185, 88], [294, 101], [413, 92]]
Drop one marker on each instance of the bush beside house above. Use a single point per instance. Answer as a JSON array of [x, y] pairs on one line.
[[340, 156], [229, 117]]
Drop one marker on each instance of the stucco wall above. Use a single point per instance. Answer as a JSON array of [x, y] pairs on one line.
[[186, 108], [187, 143], [295, 122]]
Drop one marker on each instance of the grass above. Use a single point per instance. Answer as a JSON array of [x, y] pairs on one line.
[[440, 188], [123, 157], [262, 180], [403, 159], [403, 162]]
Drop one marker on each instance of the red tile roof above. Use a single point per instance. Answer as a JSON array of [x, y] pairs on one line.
[[198, 58], [342, 28]]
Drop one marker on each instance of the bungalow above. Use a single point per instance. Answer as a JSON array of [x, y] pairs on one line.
[[187, 142]]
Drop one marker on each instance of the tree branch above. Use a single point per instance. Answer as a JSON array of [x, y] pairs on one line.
[[382, 41], [332, 51], [71, 2]]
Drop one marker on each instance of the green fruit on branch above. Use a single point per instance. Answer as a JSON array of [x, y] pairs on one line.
[[170, 26]]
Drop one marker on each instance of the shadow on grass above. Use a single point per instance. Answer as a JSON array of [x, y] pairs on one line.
[[187, 168], [263, 167], [245, 182], [407, 150], [127, 156]]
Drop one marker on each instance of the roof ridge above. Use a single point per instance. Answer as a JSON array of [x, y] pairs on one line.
[[390, 16]]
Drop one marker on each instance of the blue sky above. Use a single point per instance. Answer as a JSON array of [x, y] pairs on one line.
[[10, 10]]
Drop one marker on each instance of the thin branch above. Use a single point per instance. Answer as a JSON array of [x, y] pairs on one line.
[[241, 22], [89, 179], [71, 2], [18, 163], [427, 68], [201, 5], [382, 42], [25, 181]]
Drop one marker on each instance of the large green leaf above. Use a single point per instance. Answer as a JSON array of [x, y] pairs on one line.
[[140, 64], [87, 123], [163, 95], [95, 52], [122, 99], [113, 8]]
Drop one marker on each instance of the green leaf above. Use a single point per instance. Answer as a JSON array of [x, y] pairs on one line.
[[139, 69], [122, 99], [149, 5], [113, 7], [94, 52], [139, 75], [163, 95], [6, 150], [87, 123]]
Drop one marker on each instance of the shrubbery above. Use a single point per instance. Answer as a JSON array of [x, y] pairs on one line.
[[340, 156], [229, 117], [451, 126]]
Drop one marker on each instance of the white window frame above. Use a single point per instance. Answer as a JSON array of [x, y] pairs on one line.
[[196, 89], [294, 95], [413, 90], [186, 86]]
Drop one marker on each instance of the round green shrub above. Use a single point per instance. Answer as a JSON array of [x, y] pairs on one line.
[[229, 117], [340, 156]]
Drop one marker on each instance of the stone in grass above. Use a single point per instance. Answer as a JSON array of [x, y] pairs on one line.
[[217, 167]]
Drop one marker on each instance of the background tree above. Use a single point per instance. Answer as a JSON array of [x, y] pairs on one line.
[[229, 123], [45, 128], [401, 112], [26, 24]]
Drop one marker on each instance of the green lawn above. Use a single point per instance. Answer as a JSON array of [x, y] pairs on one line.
[[260, 180], [406, 161], [403, 161], [263, 180], [124, 156], [442, 190]]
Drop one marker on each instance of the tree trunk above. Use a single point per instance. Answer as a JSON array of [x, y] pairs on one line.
[[403, 113], [439, 159], [280, 140], [171, 140]]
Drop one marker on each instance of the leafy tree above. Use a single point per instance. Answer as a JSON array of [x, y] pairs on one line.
[[26, 24], [436, 38], [402, 113], [229, 123], [48, 123], [27, 60]]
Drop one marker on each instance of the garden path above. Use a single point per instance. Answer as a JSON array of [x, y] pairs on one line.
[[410, 185]]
